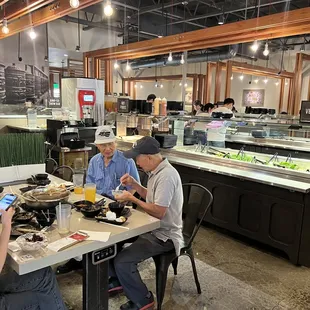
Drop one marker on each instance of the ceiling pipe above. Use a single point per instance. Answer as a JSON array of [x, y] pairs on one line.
[[216, 56]]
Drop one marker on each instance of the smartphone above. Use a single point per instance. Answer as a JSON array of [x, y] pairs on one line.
[[7, 201]]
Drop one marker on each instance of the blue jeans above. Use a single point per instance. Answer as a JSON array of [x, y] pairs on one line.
[[220, 144], [37, 290]]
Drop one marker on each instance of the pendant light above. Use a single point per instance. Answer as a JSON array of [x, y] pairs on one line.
[[78, 47], [266, 50], [5, 28], [241, 77], [170, 57], [232, 77], [255, 46], [128, 67], [265, 80], [74, 4], [256, 81], [32, 34], [182, 61], [108, 10], [116, 65]]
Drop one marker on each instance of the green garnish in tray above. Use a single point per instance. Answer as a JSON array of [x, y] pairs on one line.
[[245, 158], [285, 164]]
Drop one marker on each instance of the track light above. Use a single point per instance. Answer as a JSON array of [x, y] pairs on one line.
[[182, 61], [170, 57], [74, 4], [255, 46], [116, 65], [256, 81], [221, 20], [128, 67], [265, 80], [241, 77], [108, 10], [32, 34], [266, 50], [5, 28]]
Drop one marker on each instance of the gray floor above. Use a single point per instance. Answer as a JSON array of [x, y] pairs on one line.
[[233, 276]]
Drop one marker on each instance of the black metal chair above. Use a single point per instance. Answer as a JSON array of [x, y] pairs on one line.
[[50, 165], [64, 172], [197, 201]]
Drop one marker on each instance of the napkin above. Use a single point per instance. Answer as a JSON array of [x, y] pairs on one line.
[[97, 235]]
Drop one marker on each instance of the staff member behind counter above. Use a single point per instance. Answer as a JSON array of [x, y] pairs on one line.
[[164, 200]]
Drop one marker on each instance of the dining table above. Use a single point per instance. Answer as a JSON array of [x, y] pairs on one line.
[[96, 254]]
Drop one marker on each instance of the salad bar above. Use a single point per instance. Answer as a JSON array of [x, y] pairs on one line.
[[263, 197]]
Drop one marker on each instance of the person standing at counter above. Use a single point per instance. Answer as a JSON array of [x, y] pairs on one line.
[[35, 290], [164, 200], [216, 130], [197, 107], [105, 170]]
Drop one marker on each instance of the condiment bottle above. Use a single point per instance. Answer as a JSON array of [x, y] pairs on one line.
[[156, 106], [163, 107]]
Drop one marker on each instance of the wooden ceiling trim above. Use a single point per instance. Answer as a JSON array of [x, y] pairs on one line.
[[16, 10], [214, 42], [267, 27], [44, 15]]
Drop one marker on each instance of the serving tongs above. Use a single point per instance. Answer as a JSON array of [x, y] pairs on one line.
[[273, 159], [255, 161], [214, 151]]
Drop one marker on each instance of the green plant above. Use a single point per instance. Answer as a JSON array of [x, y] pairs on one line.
[[21, 149]]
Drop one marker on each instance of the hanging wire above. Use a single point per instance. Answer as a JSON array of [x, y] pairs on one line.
[[79, 34]]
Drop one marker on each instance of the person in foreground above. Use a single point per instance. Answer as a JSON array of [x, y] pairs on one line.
[[37, 290], [164, 200], [105, 170]]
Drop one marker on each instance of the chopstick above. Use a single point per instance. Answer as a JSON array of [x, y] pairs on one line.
[[119, 226]]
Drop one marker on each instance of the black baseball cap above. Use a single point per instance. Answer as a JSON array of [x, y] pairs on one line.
[[144, 146]]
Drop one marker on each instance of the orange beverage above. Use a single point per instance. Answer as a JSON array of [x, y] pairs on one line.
[[78, 190], [90, 192]]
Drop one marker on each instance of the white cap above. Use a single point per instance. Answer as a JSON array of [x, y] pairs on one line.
[[104, 134]]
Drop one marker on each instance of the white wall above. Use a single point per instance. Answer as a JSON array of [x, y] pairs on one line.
[[172, 90]]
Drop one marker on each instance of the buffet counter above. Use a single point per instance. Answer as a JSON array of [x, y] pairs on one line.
[[261, 201]]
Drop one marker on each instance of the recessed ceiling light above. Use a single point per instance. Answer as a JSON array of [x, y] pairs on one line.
[[65, 55]]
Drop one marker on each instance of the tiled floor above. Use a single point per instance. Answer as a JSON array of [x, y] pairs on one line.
[[233, 275]]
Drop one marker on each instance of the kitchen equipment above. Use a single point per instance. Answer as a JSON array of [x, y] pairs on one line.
[[163, 125], [91, 211], [132, 121], [30, 87], [123, 105], [259, 133], [271, 111], [166, 141], [145, 123], [44, 202], [23, 217], [76, 144], [80, 95]]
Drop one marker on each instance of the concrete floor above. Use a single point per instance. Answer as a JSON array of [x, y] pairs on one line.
[[233, 275]]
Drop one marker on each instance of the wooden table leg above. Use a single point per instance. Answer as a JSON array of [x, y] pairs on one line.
[[95, 284]]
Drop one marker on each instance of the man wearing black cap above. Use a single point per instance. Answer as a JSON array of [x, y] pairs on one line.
[[164, 200]]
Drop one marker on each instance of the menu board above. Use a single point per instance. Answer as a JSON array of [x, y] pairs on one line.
[[305, 111], [253, 97]]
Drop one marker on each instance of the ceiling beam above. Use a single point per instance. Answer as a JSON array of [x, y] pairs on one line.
[[21, 8], [226, 12], [149, 9], [104, 26], [45, 15], [279, 25]]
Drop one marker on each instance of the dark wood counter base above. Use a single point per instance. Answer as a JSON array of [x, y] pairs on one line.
[[273, 216]]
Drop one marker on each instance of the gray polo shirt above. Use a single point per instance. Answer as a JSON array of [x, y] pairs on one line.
[[164, 188]]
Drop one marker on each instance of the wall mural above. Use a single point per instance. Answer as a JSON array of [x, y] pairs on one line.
[[20, 84], [253, 97]]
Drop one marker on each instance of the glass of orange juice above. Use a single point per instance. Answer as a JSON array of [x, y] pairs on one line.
[[78, 180], [90, 192]]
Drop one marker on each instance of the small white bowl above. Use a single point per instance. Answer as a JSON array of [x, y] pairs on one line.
[[32, 246], [117, 192]]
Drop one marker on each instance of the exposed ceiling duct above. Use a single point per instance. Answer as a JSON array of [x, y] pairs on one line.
[[215, 56]]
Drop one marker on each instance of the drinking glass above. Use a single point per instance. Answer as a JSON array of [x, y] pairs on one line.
[[90, 192], [63, 214]]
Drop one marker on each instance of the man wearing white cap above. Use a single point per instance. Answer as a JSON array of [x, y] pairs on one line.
[[105, 170]]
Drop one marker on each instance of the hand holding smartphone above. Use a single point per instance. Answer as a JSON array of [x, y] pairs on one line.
[[7, 201]]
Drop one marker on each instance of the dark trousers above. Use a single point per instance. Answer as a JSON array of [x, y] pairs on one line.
[[34, 291], [125, 264]]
